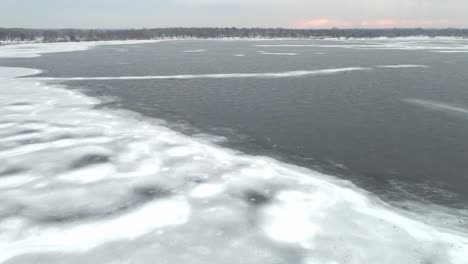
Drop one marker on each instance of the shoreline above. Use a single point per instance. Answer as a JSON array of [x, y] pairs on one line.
[[422, 37]]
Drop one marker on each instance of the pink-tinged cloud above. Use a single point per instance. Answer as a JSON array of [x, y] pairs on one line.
[[378, 23], [322, 23]]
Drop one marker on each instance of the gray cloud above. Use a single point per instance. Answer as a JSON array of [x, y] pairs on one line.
[[241, 13]]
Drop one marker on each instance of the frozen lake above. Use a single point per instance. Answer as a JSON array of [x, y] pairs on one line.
[[278, 151]]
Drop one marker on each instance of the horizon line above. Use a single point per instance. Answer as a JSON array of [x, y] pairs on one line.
[[233, 27]]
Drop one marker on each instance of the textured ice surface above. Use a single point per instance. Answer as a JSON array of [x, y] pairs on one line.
[[443, 45], [85, 185], [35, 49]]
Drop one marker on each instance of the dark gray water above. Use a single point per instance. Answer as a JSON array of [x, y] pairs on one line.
[[400, 132]]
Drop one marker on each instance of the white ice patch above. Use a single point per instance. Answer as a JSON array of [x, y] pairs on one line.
[[194, 51], [35, 49], [87, 185], [402, 66], [239, 55], [279, 53], [450, 51], [288, 74]]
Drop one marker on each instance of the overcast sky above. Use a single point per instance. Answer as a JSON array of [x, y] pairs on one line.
[[238, 13]]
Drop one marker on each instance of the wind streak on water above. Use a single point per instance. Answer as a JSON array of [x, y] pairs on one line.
[[402, 66], [215, 76], [279, 53], [193, 51], [439, 106], [289, 74]]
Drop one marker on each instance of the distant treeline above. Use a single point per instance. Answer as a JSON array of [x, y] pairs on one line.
[[60, 35]]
